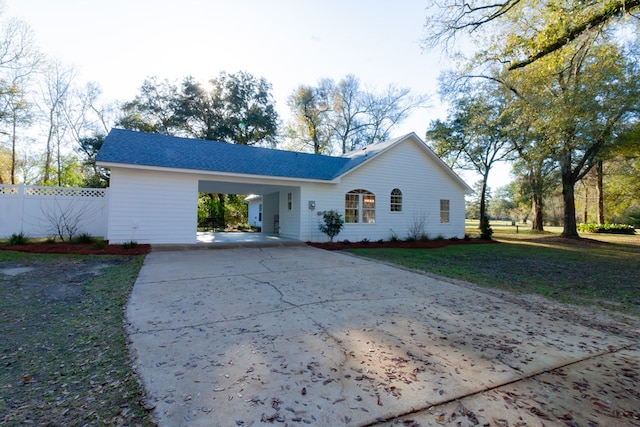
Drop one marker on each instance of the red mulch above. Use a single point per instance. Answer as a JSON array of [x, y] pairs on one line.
[[418, 244], [77, 248]]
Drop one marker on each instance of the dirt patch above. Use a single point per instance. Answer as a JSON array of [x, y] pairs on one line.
[[398, 244], [77, 248], [53, 280], [64, 356]]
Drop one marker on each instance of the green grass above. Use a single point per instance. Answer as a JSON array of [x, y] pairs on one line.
[[601, 272], [63, 350]]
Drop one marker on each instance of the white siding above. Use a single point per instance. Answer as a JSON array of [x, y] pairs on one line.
[[407, 167], [290, 218], [152, 207], [270, 206], [253, 212]]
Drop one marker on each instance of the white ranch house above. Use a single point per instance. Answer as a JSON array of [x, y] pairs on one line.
[[381, 190]]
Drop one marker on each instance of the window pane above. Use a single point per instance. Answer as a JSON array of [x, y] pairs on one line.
[[444, 211], [396, 200], [351, 207], [360, 206], [368, 208]]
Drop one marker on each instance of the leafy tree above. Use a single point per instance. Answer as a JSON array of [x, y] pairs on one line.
[[153, 109], [238, 108], [5, 165], [503, 203], [88, 147], [342, 116], [549, 26], [311, 124], [474, 137], [536, 175], [587, 95]]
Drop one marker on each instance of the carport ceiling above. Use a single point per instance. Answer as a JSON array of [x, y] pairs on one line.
[[223, 187]]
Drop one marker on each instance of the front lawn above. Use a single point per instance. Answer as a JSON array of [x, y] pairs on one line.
[[602, 270]]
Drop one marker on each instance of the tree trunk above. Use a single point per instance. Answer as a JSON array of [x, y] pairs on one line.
[[585, 211], [600, 191], [59, 164], [537, 201], [223, 223], [14, 157], [483, 203], [570, 228], [537, 223]]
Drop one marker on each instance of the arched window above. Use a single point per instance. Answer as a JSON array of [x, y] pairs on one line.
[[396, 200], [360, 207]]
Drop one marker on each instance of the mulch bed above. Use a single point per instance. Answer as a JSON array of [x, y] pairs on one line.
[[77, 248], [143, 249], [401, 244]]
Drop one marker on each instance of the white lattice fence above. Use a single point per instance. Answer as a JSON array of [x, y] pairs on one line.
[[35, 211]]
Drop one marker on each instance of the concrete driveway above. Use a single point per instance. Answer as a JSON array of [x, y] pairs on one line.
[[296, 335]]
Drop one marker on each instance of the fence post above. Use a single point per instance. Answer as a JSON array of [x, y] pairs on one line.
[[21, 196]]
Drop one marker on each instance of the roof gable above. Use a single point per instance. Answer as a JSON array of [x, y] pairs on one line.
[[363, 155]]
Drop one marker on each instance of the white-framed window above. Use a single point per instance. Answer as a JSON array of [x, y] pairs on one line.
[[444, 211], [289, 201], [360, 207], [396, 200]]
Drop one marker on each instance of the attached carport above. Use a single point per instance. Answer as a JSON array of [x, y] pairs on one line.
[[271, 200]]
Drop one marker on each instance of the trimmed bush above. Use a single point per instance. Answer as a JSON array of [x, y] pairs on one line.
[[130, 244], [607, 228], [333, 223], [83, 238]]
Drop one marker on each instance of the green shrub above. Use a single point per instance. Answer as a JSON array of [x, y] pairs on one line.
[[18, 239], [485, 229], [632, 216], [50, 240], [130, 244], [333, 223], [100, 244], [607, 228], [83, 238]]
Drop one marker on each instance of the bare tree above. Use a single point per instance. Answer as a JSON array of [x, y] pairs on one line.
[[55, 92], [18, 61], [66, 219]]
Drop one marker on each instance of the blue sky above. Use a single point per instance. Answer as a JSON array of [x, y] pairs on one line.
[[118, 43]]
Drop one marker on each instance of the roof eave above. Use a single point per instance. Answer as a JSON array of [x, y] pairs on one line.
[[231, 175]]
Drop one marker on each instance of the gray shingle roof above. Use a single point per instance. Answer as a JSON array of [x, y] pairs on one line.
[[150, 149]]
